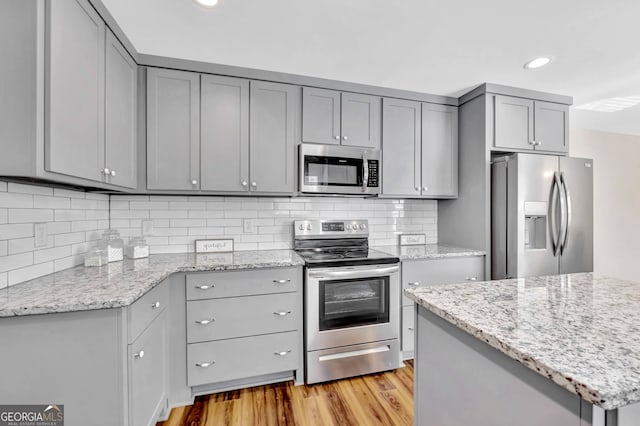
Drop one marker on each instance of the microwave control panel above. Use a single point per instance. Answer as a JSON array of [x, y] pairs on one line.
[[373, 173]]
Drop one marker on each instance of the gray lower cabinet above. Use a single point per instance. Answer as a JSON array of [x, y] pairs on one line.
[[427, 272], [530, 125], [173, 136], [70, 112], [420, 149], [340, 118], [244, 328], [100, 361]]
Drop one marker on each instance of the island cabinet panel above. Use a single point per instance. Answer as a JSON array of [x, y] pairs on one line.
[[401, 148], [460, 380], [173, 130], [244, 328], [273, 129], [121, 94], [426, 272], [224, 134], [75, 58]]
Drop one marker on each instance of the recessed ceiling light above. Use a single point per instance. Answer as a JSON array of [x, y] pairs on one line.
[[611, 104], [537, 62], [207, 3]]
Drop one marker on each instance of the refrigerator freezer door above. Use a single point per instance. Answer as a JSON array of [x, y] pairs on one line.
[[577, 247], [533, 215]]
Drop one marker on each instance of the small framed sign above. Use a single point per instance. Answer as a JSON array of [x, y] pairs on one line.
[[413, 239], [214, 246]]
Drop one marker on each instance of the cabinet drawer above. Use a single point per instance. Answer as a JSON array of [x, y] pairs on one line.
[[441, 271], [240, 358], [145, 309], [407, 328], [212, 285], [214, 319]]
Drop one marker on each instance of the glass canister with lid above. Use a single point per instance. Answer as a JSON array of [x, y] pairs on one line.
[[113, 244], [137, 248]]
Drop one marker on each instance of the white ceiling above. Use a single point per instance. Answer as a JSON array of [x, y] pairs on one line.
[[442, 47]]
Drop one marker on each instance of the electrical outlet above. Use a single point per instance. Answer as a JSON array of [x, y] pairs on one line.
[[147, 227], [248, 226], [40, 232]]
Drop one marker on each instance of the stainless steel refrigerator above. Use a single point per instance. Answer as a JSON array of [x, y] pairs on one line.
[[541, 215]]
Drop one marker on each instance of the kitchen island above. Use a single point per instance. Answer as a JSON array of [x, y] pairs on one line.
[[556, 350]]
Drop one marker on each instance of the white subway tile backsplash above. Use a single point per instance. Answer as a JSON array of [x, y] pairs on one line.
[[4, 248], [51, 254], [30, 215], [3, 278], [21, 245], [16, 201], [51, 202], [15, 261], [62, 215], [68, 239], [20, 188], [27, 273], [11, 231], [4, 216], [3, 186]]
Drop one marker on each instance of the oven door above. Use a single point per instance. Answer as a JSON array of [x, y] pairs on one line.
[[338, 170], [351, 305]]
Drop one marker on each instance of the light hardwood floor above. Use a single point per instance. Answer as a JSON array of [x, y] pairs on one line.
[[376, 399]]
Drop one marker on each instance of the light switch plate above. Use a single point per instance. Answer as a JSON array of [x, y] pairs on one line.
[[413, 239], [248, 226], [147, 227], [40, 232]]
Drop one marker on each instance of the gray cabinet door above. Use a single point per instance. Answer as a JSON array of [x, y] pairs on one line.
[[272, 129], [439, 150], [224, 134], [401, 156], [513, 123], [320, 116], [147, 359], [361, 120], [173, 129], [551, 128], [74, 89], [121, 94]]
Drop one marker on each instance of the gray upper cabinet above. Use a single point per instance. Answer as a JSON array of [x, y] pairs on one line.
[[173, 130], [332, 117], [401, 154], [320, 116], [74, 90], [121, 91], [551, 127], [224, 134], [530, 125], [273, 123], [439, 150]]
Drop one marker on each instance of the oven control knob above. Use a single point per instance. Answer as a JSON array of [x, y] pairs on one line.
[[309, 227], [301, 227], [362, 226], [348, 226]]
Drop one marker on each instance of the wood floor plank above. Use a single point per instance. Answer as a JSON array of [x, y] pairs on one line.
[[377, 399]]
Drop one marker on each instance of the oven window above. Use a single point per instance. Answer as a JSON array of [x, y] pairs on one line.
[[332, 171], [354, 302]]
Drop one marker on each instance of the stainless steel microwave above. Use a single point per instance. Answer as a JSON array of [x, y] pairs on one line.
[[337, 169]]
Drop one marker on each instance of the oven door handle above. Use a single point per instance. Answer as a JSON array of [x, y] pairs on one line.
[[352, 273]]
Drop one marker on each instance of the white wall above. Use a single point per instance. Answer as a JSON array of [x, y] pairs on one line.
[[616, 178]]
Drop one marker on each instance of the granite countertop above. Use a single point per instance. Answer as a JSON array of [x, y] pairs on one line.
[[428, 251], [122, 283], [582, 331]]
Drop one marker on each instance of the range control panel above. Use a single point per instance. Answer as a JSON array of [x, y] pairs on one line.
[[331, 228], [373, 174]]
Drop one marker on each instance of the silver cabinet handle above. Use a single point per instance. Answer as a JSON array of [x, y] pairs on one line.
[[106, 171], [410, 328], [415, 283], [139, 355], [205, 364], [337, 137], [344, 138], [472, 278], [281, 281], [113, 173], [282, 313], [244, 183], [205, 286], [205, 321], [155, 305], [283, 353], [194, 182]]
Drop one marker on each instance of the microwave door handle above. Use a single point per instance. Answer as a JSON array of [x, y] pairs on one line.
[[365, 173]]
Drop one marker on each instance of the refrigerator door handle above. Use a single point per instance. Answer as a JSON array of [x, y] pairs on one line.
[[567, 214], [555, 237]]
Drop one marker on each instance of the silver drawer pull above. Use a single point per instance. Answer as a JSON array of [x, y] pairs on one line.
[[139, 355], [281, 281], [205, 364], [416, 283], [283, 353], [205, 287], [410, 328], [472, 278], [155, 305], [205, 321], [282, 313]]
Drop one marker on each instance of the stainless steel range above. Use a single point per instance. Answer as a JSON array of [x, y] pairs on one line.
[[352, 318]]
